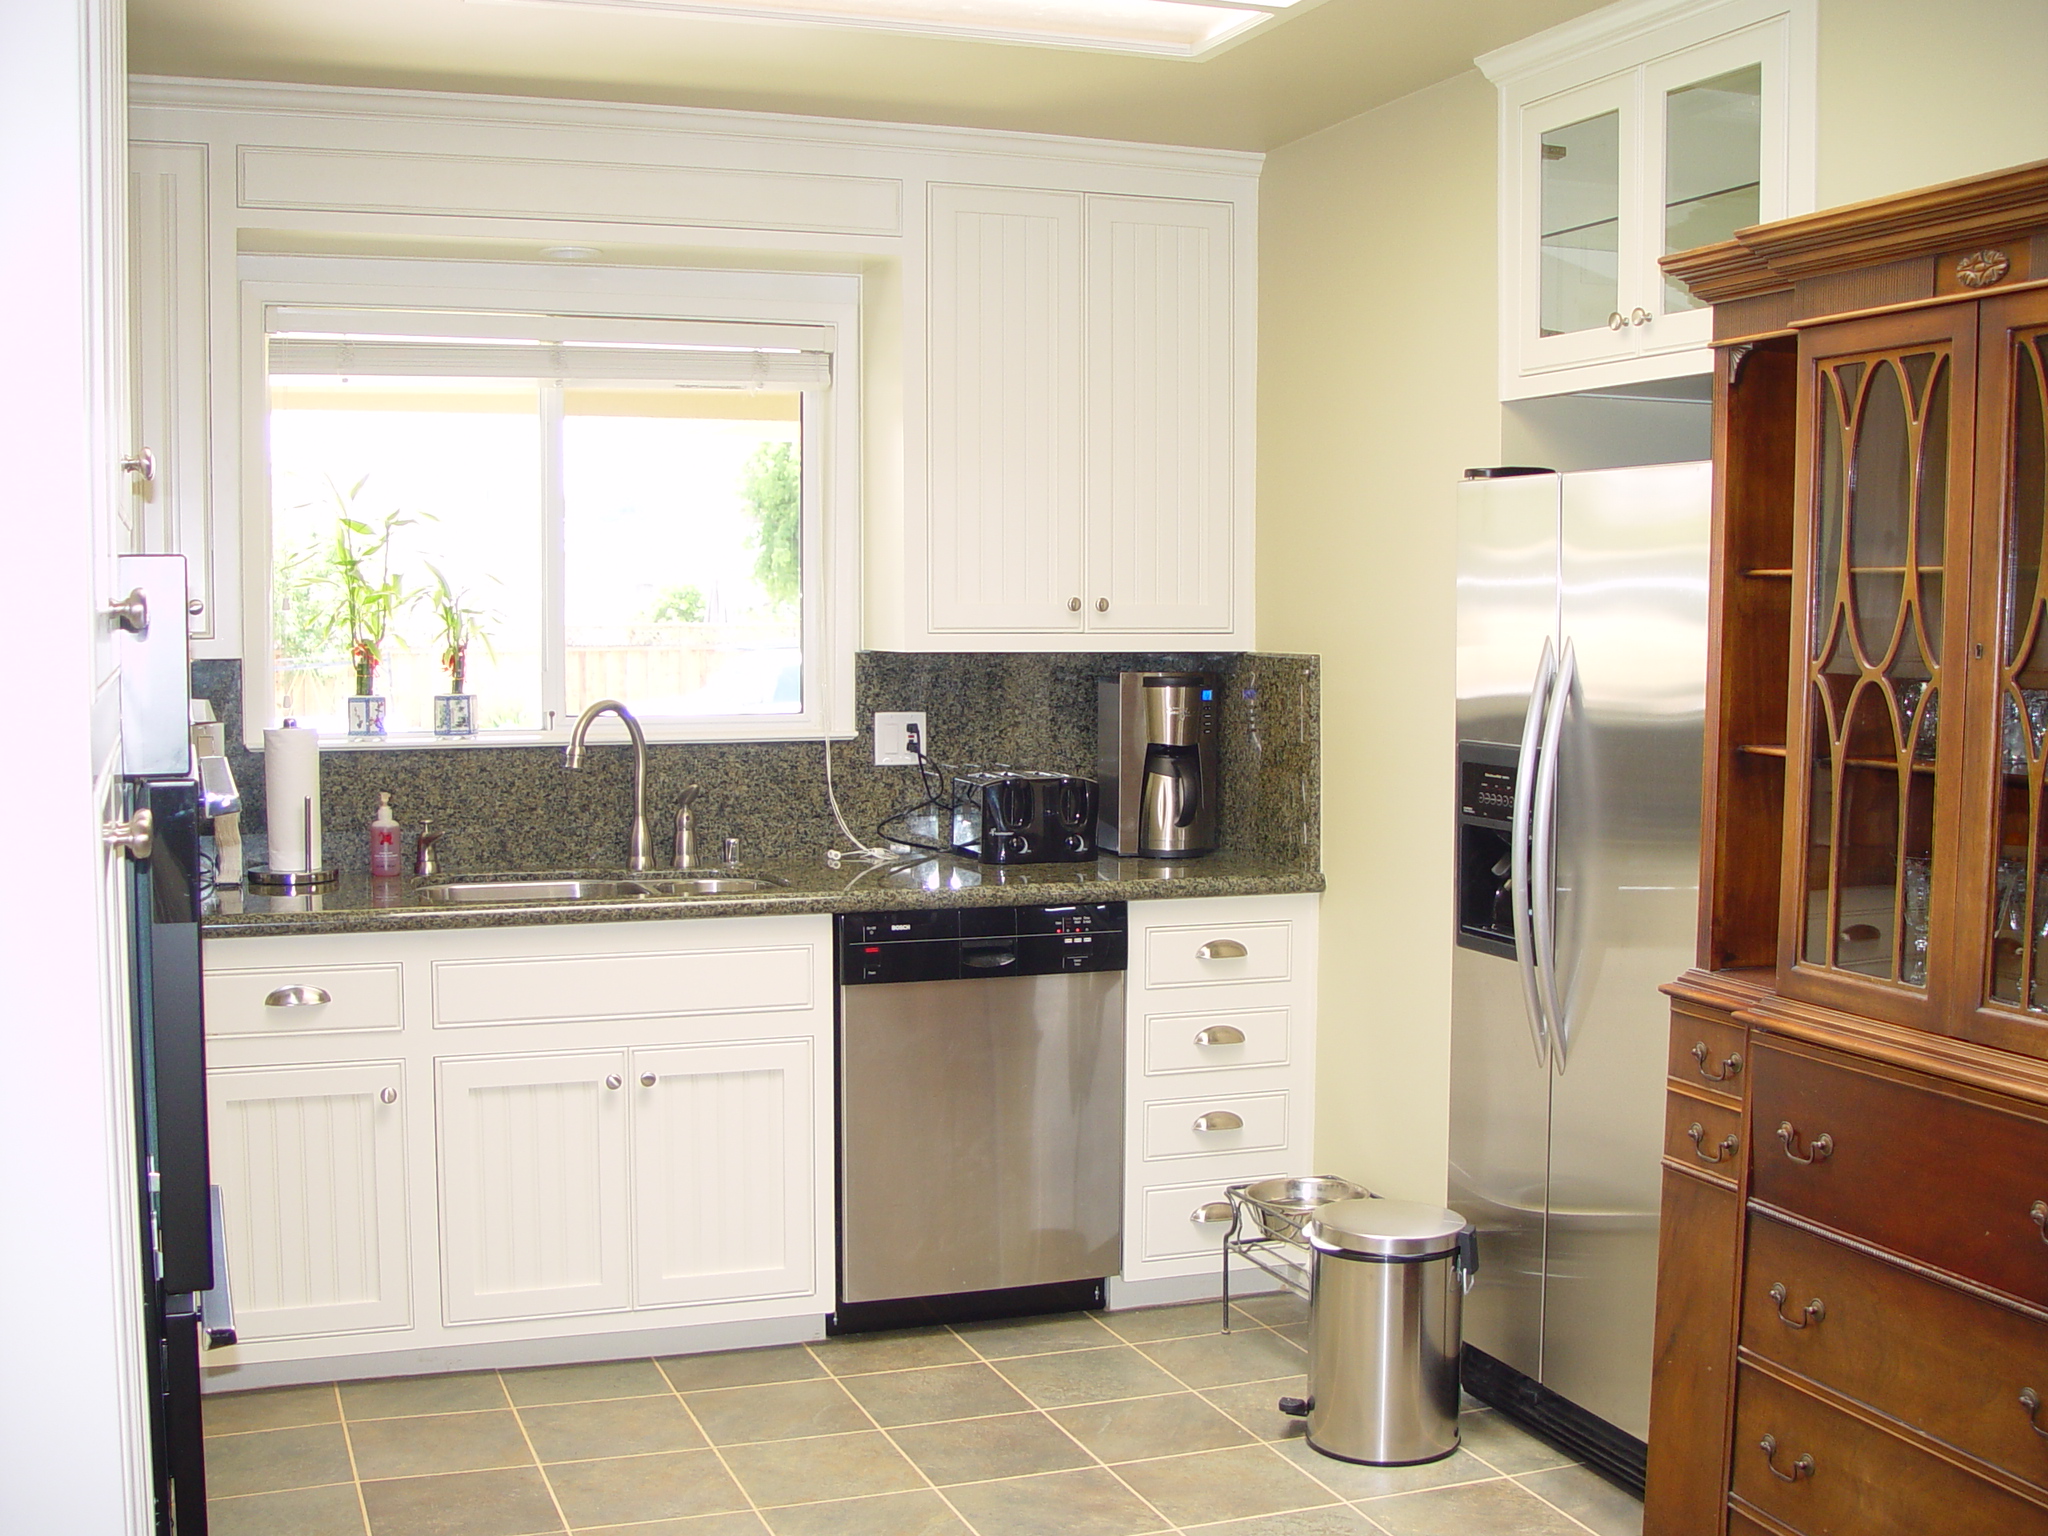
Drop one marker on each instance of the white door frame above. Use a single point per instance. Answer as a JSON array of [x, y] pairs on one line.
[[73, 1446]]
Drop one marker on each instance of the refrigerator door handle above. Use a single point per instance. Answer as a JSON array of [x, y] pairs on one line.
[[1519, 848], [1544, 813]]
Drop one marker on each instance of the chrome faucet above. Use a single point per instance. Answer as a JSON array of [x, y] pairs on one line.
[[686, 832], [637, 856]]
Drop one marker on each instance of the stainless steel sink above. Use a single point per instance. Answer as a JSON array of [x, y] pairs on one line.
[[594, 890]]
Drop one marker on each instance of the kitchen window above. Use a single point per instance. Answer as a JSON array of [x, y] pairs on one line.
[[539, 511]]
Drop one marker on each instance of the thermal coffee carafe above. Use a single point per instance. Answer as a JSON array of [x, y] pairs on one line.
[[1157, 763]]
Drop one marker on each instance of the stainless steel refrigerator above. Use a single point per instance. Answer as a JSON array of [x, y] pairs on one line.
[[1582, 646]]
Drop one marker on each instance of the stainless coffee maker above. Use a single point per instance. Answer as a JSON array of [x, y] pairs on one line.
[[1158, 763]]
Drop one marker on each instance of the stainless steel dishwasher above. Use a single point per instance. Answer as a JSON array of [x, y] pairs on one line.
[[981, 1072]]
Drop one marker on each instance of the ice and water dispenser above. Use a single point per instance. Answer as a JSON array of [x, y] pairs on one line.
[[1486, 808]]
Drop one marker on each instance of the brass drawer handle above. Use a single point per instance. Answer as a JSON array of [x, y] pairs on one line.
[[1219, 1120], [298, 997], [2031, 1401], [2039, 1211], [1731, 1067], [1221, 949], [1696, 1133], [1809, 1314], [1822, 1147], [1213, 1212], [1801, 1467], [1220, 1034]]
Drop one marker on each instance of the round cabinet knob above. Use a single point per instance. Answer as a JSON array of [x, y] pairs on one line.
[[1102, 605], [1073, 605], [1639, 316], [388, 1095], [613, 1080], [647, 1079], [141, 462], [1616, 321]]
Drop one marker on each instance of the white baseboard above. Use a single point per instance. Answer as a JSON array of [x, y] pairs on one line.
[[358, 1365], [1123, 1295]]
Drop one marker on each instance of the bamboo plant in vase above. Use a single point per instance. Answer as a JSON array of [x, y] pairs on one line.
[[462, 625], [367, 596]]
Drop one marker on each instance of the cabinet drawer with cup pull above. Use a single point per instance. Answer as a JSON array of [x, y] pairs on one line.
[[1708, 1054], [1973, 1378], [1811, 1467], [1931, 1170], [304, 1000], [1228, 1122], [1703, 1134], [1181, 1219], [1199, 1042], [1218, 954]]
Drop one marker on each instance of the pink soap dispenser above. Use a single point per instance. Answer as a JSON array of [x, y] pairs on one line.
[[384, 860]]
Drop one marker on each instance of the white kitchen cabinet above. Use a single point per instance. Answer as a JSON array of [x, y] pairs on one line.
[[1219, 1069], [310, 1162], [722, 1157], [1647, 127], [534, 1199], [1083, 446]]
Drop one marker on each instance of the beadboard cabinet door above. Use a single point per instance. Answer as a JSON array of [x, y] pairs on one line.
[[311, 1166], [534, 1185], [1160, 415], [722, 1187], [1005, 549]]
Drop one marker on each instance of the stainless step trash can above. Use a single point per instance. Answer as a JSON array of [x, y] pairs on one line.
[[1387, 1286]]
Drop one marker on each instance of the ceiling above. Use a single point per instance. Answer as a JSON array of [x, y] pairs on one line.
[[1329, 62]]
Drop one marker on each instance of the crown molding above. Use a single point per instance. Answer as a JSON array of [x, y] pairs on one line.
[[360, 103], [1567, 42]]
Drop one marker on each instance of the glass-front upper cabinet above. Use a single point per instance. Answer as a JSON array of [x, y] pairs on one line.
[[1616, 151]]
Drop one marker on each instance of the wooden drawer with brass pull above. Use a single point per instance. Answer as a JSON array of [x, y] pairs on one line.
[[1709, 1054], [1939, 1173], [1836, 1316], [1704, 1134], [1816, 1469]]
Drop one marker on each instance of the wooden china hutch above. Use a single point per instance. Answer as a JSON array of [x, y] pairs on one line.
[[1852, 1304]]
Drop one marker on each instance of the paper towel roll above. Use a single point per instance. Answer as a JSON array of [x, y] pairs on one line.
[[291, 782]]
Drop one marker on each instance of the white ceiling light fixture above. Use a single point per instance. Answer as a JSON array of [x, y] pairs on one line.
[[570, 252], [1174, 29]]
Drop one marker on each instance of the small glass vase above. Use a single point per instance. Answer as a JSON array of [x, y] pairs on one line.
[[366, 714], [454, 714]]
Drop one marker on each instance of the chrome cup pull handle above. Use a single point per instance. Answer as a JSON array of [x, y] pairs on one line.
[[1696, 1133], [1221, 949], [2039, 1212], [1220, 1034], [1219, 1120], [1813, 1312], [298, 997], [1821, 1148], [1211, 1214], [2031, 1401], [1802, 1466], [1730, 1067]]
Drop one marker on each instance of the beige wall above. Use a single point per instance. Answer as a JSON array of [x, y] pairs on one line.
[[1376, 389], [1914, 92]]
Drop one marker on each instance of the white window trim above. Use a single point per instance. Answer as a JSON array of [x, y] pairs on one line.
[[831, 471]]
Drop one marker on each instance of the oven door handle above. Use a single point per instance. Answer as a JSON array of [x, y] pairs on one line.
[[217, 1306]]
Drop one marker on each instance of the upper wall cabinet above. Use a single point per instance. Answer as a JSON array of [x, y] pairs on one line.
[[1084, 453], [1642, 129]]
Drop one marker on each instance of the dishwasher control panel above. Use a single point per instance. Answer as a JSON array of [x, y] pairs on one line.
[[978, 943]]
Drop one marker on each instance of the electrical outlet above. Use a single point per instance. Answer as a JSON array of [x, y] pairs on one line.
[[899, 734]]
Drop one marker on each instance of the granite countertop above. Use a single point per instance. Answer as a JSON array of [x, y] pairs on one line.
[[356, 904]]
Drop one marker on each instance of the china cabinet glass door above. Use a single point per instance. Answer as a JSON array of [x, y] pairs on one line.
[[2007, 822], [1877, 724]]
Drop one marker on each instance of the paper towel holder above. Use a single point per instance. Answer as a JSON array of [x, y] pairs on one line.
[[292, 882]]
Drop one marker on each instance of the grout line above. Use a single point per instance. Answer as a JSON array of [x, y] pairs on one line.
[[532, 1450], [715, 1448], [890, 1440], [349, 1443], [1575, 1520]]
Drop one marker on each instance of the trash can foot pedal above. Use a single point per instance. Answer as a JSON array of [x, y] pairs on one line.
[[1294, 1407]]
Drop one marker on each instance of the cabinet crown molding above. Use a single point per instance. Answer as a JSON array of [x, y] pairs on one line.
[[1622, 23], [1766, 258]]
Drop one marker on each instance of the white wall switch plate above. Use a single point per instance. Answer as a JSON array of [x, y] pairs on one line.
[[894, 746]]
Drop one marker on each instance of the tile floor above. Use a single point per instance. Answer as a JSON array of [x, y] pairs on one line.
[[1108, 1424]]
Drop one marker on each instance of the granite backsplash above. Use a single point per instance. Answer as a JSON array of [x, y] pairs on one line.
[[517, 808]]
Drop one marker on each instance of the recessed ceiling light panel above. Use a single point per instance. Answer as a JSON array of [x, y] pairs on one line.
[[1182, 29]]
